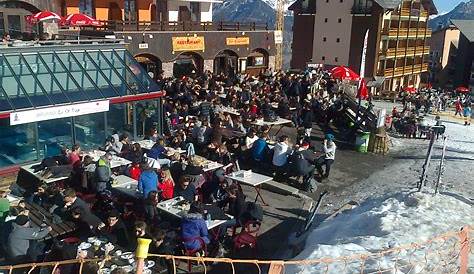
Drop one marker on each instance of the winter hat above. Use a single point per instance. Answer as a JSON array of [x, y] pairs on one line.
[[21, 220], [329, 137]]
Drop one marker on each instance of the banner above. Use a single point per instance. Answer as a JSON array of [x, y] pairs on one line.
[[278, 37], [237, 41], [188, 43], [364, 55], [50, 113]]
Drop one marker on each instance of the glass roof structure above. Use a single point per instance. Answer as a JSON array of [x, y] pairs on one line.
[[59, 76]]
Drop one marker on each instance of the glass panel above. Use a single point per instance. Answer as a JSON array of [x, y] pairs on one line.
[[45, 79], [14, 24], [4, 104], [53, 135], [119, 64], [90, 130], [77, 72], [94, 73], [11, 87], [18, 143], [106, 64], [147, 84], [117, 118]]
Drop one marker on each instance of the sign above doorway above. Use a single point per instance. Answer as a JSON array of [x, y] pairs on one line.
[[238, 41]]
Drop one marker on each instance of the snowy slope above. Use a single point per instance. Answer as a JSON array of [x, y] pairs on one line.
[[380, 224]]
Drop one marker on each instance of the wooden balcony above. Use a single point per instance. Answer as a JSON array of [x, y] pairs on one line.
[[403, 33], [402, 52], [400, 71], [415, 13], [180, 26]]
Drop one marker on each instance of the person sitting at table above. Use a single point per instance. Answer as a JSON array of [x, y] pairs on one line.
[[135, 154], [151, 211], [39, 197], [280, 154], [103, 173], [218, 189], [186, 190], [112, 145], [221, 155], [22, 245], [148, 180], [158, 152], [194, 228], [4, 205], [87, 223], [260, 149], [198, 134], [238, 125], [82, 174], [72, 202], [115, 230], [302, 165], [166, 184], [250, 139], [74, 156], [126, 146], [236, 207], [160, 245]]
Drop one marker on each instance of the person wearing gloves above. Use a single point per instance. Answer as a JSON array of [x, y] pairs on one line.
[[329, 150]]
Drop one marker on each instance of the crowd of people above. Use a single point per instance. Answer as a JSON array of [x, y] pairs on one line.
[[195, 129]]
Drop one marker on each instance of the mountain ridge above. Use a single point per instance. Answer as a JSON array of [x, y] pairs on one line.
[[463, 11]]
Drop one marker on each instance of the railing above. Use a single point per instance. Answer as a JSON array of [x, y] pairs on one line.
[[181, 26], [392, 52], [411, 12], [410, 69], [419, 33]]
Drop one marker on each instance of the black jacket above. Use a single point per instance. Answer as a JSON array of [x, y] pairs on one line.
[[117, 234]]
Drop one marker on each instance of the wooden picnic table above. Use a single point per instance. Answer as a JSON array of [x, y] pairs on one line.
[[39, 215]]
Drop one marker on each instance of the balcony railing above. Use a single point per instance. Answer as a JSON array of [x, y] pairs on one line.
[[401, 52], [400, 71], [411, 12], [181, 26], [418, 33]]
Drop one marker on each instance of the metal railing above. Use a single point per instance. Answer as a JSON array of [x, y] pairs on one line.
[[181, 26]]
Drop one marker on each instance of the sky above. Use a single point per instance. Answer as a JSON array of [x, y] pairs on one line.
[[447, 5]]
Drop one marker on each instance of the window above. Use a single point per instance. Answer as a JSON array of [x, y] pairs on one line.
[[324, 39], [336, 59], [325, 20], [87, 7], [130, 10], [339, 20], [338, 40], [323, 58], [327, 1], [342, 1]]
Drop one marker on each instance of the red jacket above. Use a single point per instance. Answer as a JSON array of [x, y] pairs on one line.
[[167, 188]]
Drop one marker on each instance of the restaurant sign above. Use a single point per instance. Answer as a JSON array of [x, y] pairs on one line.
[[50, 113], [237, 41], [188, 43]]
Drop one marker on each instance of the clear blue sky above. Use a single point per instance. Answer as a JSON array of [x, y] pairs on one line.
[[447, 5]]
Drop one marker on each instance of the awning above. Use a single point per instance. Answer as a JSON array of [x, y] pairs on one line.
[[39, 79]]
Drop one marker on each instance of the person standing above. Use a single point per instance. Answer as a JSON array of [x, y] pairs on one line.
[[329, 149], [103, 172], [148, 180], [307, 119]]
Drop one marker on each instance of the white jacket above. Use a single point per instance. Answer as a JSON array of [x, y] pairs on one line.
[[329, 150], [280, 154]]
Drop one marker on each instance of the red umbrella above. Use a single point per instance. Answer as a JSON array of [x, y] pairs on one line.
[[363, 92], [344, 73], [43, 16], [411, 90], [79, 20], [462, 90]]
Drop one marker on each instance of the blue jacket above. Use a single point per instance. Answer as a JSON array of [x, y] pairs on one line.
[[156, 152], [259, 149], [193, 226], [147, 182]]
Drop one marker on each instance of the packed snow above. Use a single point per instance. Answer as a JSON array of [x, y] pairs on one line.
[[383, 223]]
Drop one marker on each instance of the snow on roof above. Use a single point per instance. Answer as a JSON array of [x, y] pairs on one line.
[[379, 224]]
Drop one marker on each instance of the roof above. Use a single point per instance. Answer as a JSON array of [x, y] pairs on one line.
[[299, 7], [40, 77], [392, 4], [466, 27]]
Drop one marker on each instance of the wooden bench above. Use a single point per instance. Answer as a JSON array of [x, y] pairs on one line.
[[39, 215]]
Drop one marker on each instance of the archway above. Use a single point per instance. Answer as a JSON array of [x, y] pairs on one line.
[[13, 20], [188, 64], [257, 61], [150, 63], [226, 62]]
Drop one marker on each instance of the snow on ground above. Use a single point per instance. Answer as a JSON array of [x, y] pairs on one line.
[[383, 223]]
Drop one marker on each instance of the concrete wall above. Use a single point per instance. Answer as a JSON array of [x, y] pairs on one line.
[[302, 47], [332, 30], [173, 10]]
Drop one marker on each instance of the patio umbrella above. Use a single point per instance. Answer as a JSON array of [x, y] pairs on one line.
[[410, 90], [80, 20], [43, 16], [344, 73], [462, 90]]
